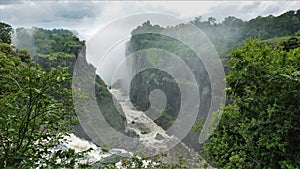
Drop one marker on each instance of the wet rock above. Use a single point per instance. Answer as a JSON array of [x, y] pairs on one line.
[[144, 129], [61, 146], [144, 132], [131, 133], [112, 159], [159, 137]]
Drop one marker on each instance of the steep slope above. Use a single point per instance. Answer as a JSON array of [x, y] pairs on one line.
[[61, 48]]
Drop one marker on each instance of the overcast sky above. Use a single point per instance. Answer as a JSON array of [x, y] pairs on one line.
[[88, 17]]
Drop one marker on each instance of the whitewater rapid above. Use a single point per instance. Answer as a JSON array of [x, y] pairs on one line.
[[149, 133], [145, 129], [139, 122]]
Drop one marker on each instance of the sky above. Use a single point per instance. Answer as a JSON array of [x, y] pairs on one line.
[[87, 17]]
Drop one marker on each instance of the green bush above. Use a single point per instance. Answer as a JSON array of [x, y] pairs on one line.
[[261, 127]]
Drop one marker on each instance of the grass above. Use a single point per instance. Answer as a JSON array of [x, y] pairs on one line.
[[279, 39], [55, 55]]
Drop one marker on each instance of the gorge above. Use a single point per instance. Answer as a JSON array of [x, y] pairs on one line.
[[127, 116]]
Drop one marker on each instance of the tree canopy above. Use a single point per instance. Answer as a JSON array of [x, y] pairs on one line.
[[260, 129], [48, 43], [5, 33], [35, 111]]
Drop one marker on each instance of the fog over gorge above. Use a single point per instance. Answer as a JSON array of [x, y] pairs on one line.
[[149, 84], [88, 18]]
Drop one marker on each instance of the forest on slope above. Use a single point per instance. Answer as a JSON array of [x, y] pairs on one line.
[[256, 62], [61, 48], [36, 96], [260, 127]]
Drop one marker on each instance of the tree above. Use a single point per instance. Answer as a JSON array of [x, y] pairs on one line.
[[232, 21], [261, 129], [43, 42], [5, 33], [24, 55], [35, 112], [212, 21]]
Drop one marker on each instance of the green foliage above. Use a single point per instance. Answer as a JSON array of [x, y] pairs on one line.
[[225, 36], [38, 102], [259, 130], [278, 40], [155, 79], [198, 127], [7, 49], [35, 112], [24, 54], [60, 48], [297, 33], [287, 24], [5, 33], [261, 127], [291, 43], [105, 147], [43, 42], [230, 32]]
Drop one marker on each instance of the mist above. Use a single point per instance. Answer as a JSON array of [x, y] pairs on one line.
[[113, 66], [23, 39]]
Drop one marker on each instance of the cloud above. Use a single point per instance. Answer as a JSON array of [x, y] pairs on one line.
[[88, 17], [35, 13], [74, 11], [248, 10], [11, 2]]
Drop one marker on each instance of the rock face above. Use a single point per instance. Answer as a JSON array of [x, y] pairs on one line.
[[101, 95], [99, 101], [141, 56], [67, 52]]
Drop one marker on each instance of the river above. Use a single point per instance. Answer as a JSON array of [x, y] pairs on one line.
[[150, 134]]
